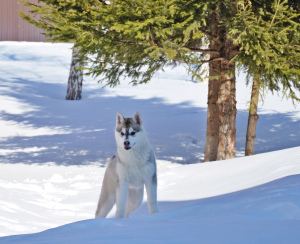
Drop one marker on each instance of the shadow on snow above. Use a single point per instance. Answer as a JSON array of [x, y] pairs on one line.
[[82, 132]]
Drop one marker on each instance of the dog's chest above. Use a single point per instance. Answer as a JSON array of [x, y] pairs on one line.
[[137, 177], [136, 170]]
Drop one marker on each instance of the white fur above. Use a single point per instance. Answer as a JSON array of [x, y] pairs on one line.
[[128, 173]]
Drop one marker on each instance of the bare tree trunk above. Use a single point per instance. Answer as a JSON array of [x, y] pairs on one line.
[[252, 119], [75, 79], [227, 103], [227, 114], [212, 128], [221, 109]]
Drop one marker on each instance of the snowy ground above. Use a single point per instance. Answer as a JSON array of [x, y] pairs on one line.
[[53, 154]]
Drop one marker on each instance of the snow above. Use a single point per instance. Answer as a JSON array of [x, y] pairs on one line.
[[53, 155]]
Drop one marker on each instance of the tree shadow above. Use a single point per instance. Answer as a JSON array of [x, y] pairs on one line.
[[45, 128], [82, 132]]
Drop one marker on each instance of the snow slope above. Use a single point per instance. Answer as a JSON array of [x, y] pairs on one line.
[[53, 154], [268, 213]]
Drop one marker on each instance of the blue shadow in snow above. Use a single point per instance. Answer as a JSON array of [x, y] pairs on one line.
[[82, 132]]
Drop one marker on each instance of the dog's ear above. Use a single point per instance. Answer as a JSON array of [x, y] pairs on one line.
[[119, 119], [137, 118]]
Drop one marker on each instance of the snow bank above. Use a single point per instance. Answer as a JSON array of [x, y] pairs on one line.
[[269, 213], [53, 155]]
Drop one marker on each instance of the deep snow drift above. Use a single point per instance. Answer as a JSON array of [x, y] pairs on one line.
[[53, 154], [268, 213]]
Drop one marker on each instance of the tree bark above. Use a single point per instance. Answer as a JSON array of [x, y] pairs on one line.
[[227, 114], [212, 128], [252, 118], [75, 79], [212, 125], [227, 102], [221, 109]]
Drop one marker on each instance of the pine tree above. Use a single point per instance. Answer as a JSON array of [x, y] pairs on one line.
[[268, 36], [221, 111], [137, 38]]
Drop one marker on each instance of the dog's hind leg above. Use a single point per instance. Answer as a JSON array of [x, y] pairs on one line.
[[107, 197], [105, 204], [151, 189], [135, 199], [108, 192]]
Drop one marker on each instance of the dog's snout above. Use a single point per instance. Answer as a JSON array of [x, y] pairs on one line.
[[126, 143]]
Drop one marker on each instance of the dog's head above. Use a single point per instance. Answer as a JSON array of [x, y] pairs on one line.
[[129, 132]]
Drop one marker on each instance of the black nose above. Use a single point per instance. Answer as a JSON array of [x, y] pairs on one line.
[[126, 143]]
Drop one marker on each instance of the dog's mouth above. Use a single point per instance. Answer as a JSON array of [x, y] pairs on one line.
[[128, 147]]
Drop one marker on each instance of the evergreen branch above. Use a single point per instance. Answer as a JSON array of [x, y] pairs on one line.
[[201, 61], [209, 51], [287, 28], [275, 14], [184, 62], [213, 59]]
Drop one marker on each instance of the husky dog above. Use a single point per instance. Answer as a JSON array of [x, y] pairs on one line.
[[128, 172]]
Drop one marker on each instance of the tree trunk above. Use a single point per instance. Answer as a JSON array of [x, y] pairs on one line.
[[75, 79], [212, 129], [221, 109], [227, 102], [212, 126], [252, 119], [227, 113]]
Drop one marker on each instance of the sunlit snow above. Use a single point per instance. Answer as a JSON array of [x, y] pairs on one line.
[[53, 156]]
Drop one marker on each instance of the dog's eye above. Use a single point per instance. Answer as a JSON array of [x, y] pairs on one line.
[[132, 133], [122, 133]]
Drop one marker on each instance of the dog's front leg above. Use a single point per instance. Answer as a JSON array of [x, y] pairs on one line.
[[122, 194], [151, 189]]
